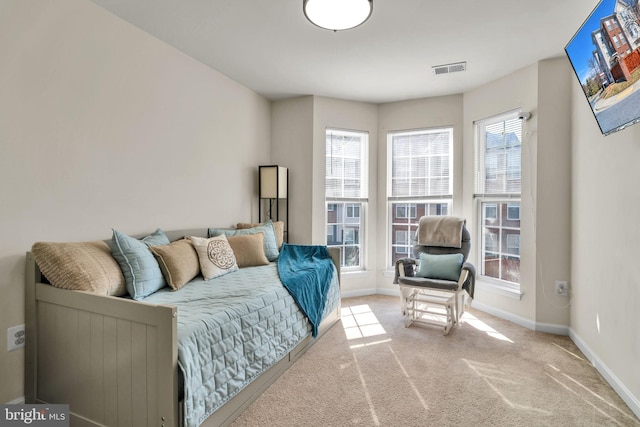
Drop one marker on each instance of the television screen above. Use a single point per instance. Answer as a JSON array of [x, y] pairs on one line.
[[605, 55]]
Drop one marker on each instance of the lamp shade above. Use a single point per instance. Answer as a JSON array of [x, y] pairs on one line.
[[273, 182], [337, 14]]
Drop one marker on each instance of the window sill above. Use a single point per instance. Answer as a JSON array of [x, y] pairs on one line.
[[355, 274], [497, 288]]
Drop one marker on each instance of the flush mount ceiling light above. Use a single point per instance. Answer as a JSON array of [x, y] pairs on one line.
[[337, 14]]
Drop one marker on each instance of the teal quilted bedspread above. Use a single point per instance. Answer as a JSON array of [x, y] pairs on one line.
[[230, 330]]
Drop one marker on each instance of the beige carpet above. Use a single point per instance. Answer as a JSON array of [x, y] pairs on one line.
[[369, 370]]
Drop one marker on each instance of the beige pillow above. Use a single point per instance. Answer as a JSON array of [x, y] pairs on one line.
[[278, 228], [81, 266], [215, 255], [248, 249], [178, 262]]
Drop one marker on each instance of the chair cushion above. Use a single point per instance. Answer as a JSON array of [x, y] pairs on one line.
[[422, 282], [445, 266]]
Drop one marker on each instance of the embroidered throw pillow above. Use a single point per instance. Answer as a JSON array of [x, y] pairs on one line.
[[215, 255]]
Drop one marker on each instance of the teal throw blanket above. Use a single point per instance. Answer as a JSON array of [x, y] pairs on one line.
[[306, 271]]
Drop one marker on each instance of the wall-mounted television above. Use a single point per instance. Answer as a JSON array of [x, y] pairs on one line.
[[605, 55]]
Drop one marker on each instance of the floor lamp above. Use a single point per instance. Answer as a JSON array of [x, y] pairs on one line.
[[273, 183]]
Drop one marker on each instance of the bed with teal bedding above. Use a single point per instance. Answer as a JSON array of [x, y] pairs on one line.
[[194, 357]]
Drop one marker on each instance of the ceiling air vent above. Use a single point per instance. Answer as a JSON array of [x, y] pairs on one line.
[[449, 68]]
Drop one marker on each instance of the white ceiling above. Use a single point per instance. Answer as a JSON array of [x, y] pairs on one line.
[[269, 46]]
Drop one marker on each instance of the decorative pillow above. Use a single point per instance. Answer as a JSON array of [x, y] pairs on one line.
[[270, 245], [248, 249], [81, 266], [215, 255], [278, 229], [445, 266], [140, 268], [178, 262]]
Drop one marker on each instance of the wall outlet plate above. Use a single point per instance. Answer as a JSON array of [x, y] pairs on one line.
[[562, 288], [16, 337]]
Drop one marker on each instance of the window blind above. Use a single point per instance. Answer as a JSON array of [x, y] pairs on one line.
[[499, 156], [346, 165], [421, 163]]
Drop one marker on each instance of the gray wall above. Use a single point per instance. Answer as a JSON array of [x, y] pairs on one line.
[[605, 293], [103, 126]]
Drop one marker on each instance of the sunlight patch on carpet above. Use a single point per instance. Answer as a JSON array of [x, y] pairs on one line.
[[483, 327], [570, 352], [591, 398], [409, 380], [367, 395], [359, 321], [505, 385]]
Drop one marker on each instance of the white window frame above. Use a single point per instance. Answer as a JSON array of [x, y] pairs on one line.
[[354, 206], [425, 177], [486, 199]]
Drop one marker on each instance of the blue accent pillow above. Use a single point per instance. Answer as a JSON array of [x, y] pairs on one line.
[[270, 242], [140, 268], [444, 267]]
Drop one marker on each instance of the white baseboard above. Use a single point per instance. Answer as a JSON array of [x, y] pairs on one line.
[[549, 328], [358, 293], [370, 291], [632, 401], [18, 401], [526, 323], [390, 292]]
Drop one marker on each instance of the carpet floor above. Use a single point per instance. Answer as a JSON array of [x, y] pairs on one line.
[[369, 370]]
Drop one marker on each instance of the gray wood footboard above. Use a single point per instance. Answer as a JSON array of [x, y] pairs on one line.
[[114, 360]]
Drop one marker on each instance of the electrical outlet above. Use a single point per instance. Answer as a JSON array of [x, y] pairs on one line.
[[16, 337], [562, 288]]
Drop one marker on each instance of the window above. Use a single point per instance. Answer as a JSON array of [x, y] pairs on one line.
[[498, 188], [419, 183], [353, 210], [405, 211], [491, 211], [346, 193], [501, 245]]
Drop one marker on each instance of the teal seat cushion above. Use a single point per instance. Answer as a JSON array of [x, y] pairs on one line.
[[140, 268], [270, 242], [444, 267]]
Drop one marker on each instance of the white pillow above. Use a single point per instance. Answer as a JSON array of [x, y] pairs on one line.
[[215, 255]]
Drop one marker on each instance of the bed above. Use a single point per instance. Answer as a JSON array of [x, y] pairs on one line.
[[195, 357]]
